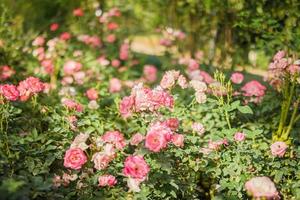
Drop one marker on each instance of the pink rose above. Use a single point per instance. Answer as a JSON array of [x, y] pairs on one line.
[[253, 88], [278, 149], [74, 158], [279, 55], [178, 140], [10, 92], [111, 38], [101, 160], [193, 65], [71, 66], [39, 41], [78, 12], [182, 82], [136, 139], [206, 77], [72, 105], [112, 26], [54, 26], [107, 180], [136, 167], [92, 94], [239, 137], [6, 72], [172, 123], [198, 127], [150, 73], [124, 51], [114, 137], [126, 106], [237, 78], [169, 79], [115, 85], [65, 36], [157, 137], [261, 187], [79, 141], [115, 63]]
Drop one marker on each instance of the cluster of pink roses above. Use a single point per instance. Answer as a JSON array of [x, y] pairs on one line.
[[72, 71], [145, 99], [161, 133], [93, 40], [169, 79], [254, 90], [23, 91]]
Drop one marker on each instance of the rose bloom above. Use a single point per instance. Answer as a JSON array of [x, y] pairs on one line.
[[112, 26], [107, 180], [48, 66], [79, 141], [169, 79], [101, 160], [79, 77], [198, 127], [136, 139], [74, 158], [253, 88], [78, 12], [279, 55], [200, 97], [136, 167], [172, 123], [124, 52], [182, 82], [261, 188], [193, 65], [278, 149], [237, 78], [111, 38], [92, 94], [125, 106], [157, 137], [6, 72], [178, 140], [54, 26], [115, 85], [150, 73], [239, 137], [65, 36], [70, 104], [30, 86], [114, 137], [93, 105], [199, 86], [115, 63], [38, 41], [10, 92], [71, 66], [206, 77]]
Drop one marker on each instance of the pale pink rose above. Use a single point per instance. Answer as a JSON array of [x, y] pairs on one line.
[[239, 137], [279, 55], [78, 12], [115, 85], [93, 105], [103, 61], [107, 180], [157, 137], [169, 79], [79, 77], [74, 158], [92, 94], [237, 78], [48, 66], [126, 105], [67, 80], [150, 73], [72, 105], [294, 69], [200, 97], [172, 123], [199, 86], [80, 141], [206, 77], [261, 188], [67, 178], [136, 139], [216, 145], [109, 149], [10, 92], [101, 160], [114, 137], [38, 41], [124, 51], [54, 26], [71, 66], [111, 38], [136, 167], [199, 128], [182, 82], [253, 88], [134, 184], [115, 63], [279, 149], [178, 140], [56, 181]]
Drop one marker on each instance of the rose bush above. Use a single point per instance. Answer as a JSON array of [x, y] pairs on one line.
[[91, 119]]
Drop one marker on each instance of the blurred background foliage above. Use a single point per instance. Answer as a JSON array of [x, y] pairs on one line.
[[226, 30]]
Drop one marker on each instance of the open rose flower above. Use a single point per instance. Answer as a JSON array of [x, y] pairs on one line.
[[158, 137], [239, 137], [107, 180], [10, 92], [74, 158], [178, 140], [278, 149], [136, 167], [92, 94], [136, 139], [237, 78], [261, 188]]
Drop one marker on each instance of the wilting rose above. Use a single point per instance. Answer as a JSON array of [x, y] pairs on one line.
[[261, 188], [74, 158], [279, 149]]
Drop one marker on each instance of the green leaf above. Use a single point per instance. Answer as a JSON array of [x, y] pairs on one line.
[[245, 109]]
